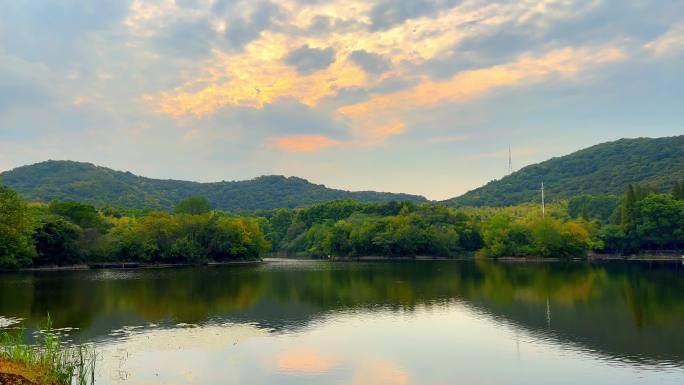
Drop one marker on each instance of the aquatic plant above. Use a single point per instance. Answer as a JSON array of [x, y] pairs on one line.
[[49, 358]]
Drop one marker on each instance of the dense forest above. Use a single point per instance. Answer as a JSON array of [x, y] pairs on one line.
[[643, 220], [604, 169], [68, 232], [100, 186]]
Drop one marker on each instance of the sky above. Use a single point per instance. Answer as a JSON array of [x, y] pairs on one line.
[[414, 96]]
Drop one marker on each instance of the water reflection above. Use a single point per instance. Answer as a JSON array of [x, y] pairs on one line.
[[286, 318]]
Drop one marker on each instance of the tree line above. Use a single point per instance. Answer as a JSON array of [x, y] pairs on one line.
[[67, 233], [352, 229], [643, 219], [63, 233]]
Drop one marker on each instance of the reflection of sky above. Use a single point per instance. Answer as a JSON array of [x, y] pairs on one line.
[[445, 344], [214, 89]]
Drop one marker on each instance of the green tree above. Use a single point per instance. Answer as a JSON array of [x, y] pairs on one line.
[[614, 239], [279, 223], [590, 207], [85, 216], [628, 208], [678, 190], [659, 222], [194, 205], [16, 230], [56, 241]]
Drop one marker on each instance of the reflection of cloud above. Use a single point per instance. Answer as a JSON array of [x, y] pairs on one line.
[[154, 356], [309, 362], [303, 143], [381, 372]]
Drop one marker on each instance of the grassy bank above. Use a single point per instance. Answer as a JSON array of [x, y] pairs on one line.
[[47, 362]]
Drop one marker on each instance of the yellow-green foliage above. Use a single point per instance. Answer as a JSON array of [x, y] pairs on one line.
[[505, 235], [162, 237]]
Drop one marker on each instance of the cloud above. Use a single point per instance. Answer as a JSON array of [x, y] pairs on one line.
[[285, 117], [381, 115], [345, 96], [394, 84], [251, 81], [389, 13], [670, 43], [321, 24], [57, 33], [303, 143], [243, 30], [206, 79], [186, 39], [370, 62], [308, 60], [238, 131]]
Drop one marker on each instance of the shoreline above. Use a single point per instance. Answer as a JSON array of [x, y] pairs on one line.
[[137, 266], [530, 259], [133, 266]]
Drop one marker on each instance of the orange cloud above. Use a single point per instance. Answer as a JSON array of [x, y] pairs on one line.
[[370, 117], [303, 143], [258, 76], [309, 362]]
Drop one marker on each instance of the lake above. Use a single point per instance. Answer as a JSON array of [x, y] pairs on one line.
[[316, 322]]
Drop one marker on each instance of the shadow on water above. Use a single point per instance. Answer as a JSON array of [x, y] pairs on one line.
[[632, 312]]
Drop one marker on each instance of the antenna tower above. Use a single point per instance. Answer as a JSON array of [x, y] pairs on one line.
[[543, 202]]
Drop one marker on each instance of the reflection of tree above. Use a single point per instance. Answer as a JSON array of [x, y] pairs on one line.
[[621, 309], [564, 284], [184, 295]]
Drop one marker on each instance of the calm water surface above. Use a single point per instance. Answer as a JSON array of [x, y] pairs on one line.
[[300, 322]]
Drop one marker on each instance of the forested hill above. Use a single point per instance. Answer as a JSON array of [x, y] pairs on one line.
[[602, 169], [100, 186]]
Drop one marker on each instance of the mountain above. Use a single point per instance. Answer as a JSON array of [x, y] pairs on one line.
[[599, 170], [99, 186]]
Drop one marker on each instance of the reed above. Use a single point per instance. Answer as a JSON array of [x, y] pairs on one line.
[[54, 361]]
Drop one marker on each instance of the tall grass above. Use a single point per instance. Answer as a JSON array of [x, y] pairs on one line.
[[59, 364]]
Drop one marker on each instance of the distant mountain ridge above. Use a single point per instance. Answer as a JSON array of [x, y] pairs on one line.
[[602, 169], [100, 186]]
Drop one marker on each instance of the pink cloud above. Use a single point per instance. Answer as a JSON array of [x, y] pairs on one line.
[[303, 143]]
